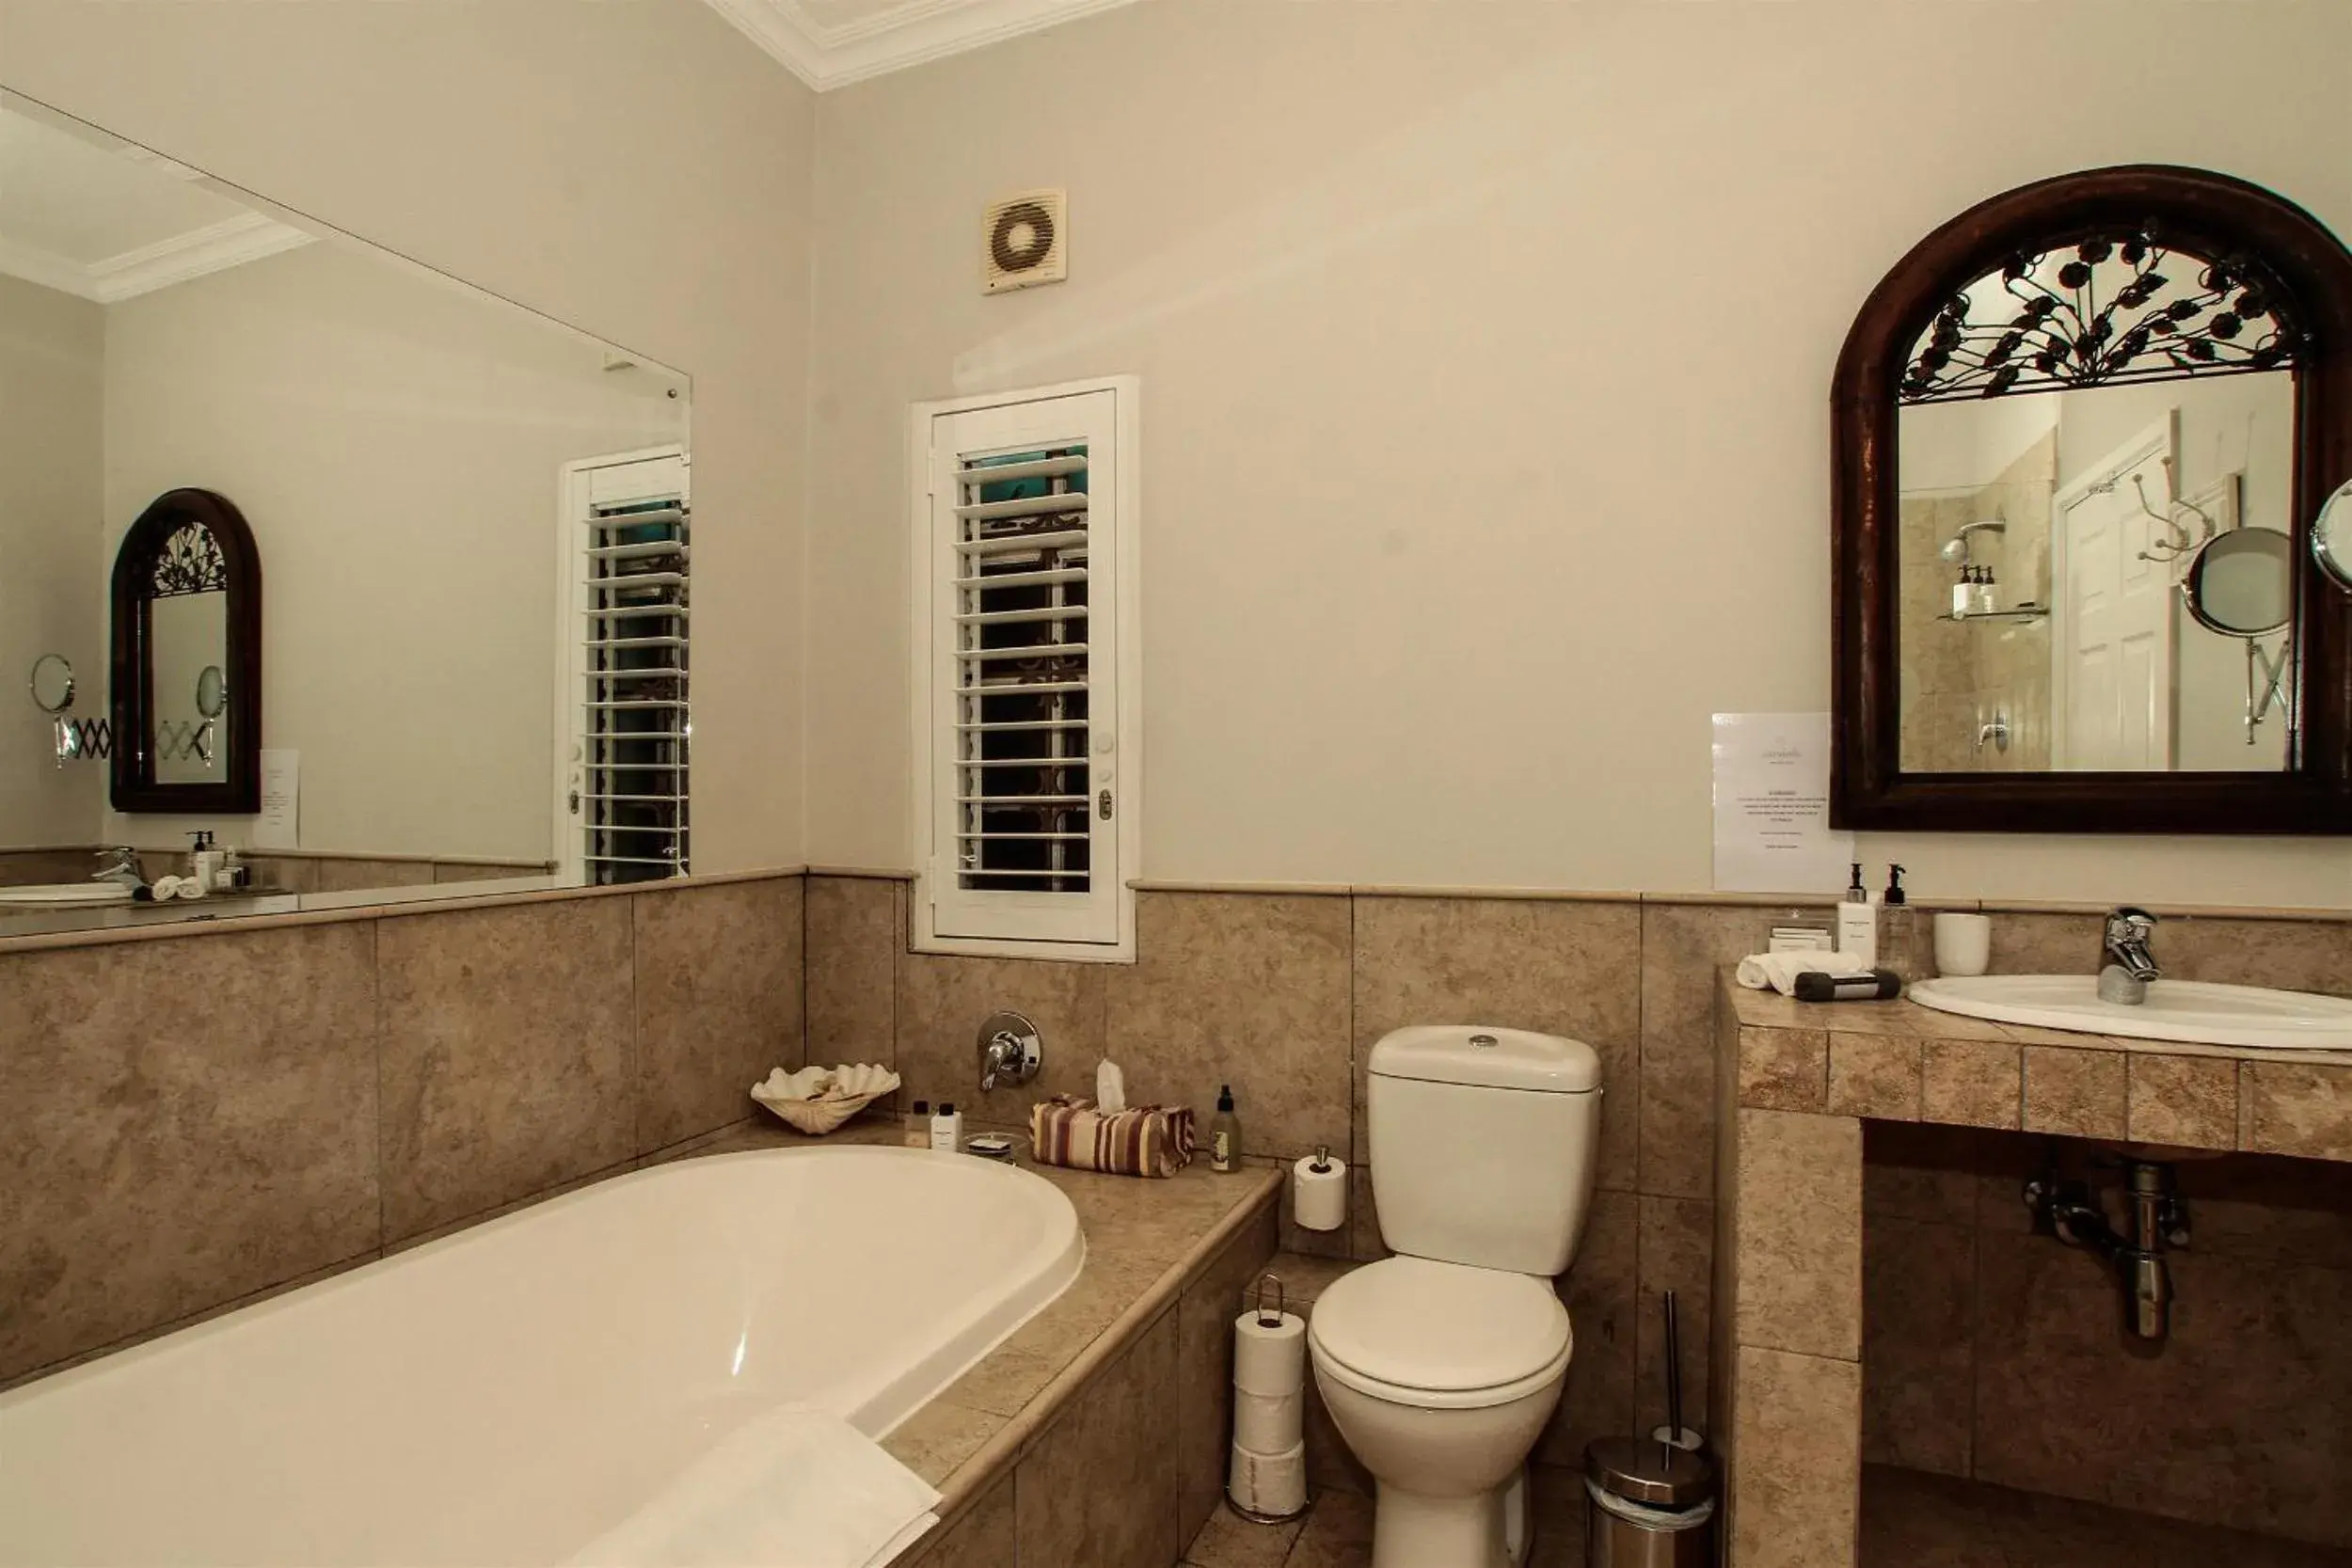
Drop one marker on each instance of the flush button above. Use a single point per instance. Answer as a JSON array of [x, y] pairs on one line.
[[1485, 1042]]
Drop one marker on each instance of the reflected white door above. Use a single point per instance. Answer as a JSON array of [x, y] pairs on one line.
[[2118, 612]]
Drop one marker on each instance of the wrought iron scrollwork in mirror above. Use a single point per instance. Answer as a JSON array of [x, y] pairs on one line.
[[2083, 435], [186, 668]]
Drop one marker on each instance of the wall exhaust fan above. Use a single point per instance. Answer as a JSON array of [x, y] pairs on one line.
[[1025, 241]]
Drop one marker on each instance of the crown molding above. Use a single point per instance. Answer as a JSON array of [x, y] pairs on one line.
[[891, 39], [216, 247]]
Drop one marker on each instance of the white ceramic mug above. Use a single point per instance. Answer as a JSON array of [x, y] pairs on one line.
[[1963, 943]]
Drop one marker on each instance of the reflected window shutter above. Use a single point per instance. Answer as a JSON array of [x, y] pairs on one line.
[[1025, 758], [636, 727]]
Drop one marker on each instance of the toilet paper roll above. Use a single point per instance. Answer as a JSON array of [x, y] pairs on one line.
[[1268, 1423], [1319, 1198], [1271, 1485], [1270, 1360]]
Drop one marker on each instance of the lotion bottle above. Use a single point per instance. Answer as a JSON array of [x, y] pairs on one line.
[[1858, 924], [946, 1129], [1224, 1134]]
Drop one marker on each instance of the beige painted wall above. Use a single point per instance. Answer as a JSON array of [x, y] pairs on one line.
[[51, 350], [396, 442], [1486, 353], [634, 167]]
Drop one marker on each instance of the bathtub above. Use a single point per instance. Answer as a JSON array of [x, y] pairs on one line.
[[507, 1394]]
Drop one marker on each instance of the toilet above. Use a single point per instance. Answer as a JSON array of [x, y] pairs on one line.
[[1440, 1365]]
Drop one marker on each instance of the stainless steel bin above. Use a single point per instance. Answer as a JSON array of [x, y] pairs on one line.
[[1649, 1505]]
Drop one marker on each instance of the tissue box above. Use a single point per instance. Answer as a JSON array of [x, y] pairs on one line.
[[1142, 1140]]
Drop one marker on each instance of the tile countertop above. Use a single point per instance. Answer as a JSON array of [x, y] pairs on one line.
[[1144, 1239], [1897, 1061]]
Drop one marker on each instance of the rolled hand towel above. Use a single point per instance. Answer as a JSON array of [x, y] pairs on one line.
[[1779, 970]]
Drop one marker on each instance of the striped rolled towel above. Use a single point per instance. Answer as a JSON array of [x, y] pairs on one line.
[[1142, 1140]]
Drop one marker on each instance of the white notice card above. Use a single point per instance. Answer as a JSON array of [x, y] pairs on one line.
[[1771, 805], [280, 826]]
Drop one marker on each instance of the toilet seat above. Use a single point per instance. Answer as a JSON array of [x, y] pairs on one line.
[[1440, 1336]]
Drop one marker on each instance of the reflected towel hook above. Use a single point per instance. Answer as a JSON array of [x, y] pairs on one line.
[[2178, 543]]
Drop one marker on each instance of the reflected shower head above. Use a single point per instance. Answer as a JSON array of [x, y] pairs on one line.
[[1956, 547]]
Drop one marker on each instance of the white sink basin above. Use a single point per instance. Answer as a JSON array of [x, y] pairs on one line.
[[63, 896], [2185, 1010]]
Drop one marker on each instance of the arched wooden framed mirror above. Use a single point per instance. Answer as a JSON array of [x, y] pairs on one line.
[[2051, 419], [186, 660]]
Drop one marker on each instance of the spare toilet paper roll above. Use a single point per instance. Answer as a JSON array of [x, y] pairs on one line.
[[1268, 1423], [1270, 1360], [1319, 1198], [1268, 1483]]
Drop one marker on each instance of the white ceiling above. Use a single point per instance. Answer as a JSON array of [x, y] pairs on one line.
[[108, 222], [829, 42]]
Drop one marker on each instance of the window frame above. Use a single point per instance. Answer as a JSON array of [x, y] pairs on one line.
[[930, 580]]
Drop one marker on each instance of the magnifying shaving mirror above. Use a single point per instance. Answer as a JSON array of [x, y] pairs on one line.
[[2331, 536], [2242, 584], [53, 683], [212, 693]]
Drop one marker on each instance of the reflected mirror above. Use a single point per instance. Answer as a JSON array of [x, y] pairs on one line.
[[2242, 584], [474, 523], [186, 597]]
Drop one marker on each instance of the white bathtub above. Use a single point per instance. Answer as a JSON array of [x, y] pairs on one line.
[[506, 1395]]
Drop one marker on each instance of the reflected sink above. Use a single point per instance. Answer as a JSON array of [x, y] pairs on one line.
[[63, 896], [2189, 1011]]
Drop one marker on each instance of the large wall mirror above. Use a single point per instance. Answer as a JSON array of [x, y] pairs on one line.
[[2085, 434], [470, 665]]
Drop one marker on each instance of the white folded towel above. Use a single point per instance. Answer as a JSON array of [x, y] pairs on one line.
[[1779, 970], [795, 1485]]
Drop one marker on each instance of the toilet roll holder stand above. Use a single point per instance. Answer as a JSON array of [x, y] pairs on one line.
[[1266, 1318]]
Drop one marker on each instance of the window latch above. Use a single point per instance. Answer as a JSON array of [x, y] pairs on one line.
[[1102, 805]]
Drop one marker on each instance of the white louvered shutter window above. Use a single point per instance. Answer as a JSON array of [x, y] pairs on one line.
[[632, 730], [1026, 676]]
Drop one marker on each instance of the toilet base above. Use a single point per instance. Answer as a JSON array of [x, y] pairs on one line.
[[1411, 1529]]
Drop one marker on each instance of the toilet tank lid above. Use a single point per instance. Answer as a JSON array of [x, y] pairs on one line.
[[1484, 1057]]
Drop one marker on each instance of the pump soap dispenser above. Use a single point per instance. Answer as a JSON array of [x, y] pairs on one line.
[[1857, 924]]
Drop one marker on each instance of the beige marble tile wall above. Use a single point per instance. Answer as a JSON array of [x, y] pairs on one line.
[[1994, 1354], [198, 1117], [1283, 995]]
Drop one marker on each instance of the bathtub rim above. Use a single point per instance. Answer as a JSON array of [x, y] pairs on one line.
[[1062, 1270]]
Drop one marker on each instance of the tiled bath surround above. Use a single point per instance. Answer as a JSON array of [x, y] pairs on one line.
[[339, 1086], [197, 1117]]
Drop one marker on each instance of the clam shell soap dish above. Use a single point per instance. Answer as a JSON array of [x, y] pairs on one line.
[[818, 1099]]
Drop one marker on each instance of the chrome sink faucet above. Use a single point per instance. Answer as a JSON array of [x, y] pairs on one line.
[[2125, 965], [119, 863]]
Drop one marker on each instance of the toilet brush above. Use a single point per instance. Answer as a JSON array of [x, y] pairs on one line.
[[1674, 1433]]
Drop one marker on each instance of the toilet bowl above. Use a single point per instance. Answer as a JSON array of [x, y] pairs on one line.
[[1440, 1377], [1440, 1365]]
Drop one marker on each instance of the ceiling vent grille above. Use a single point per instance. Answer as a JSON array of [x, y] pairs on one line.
[[1025, 241]]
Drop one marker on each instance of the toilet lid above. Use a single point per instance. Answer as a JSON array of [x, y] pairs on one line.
[[1414, 1323]]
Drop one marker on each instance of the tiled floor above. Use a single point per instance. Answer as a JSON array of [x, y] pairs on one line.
[[1910, 1520], [1336, 1532]]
